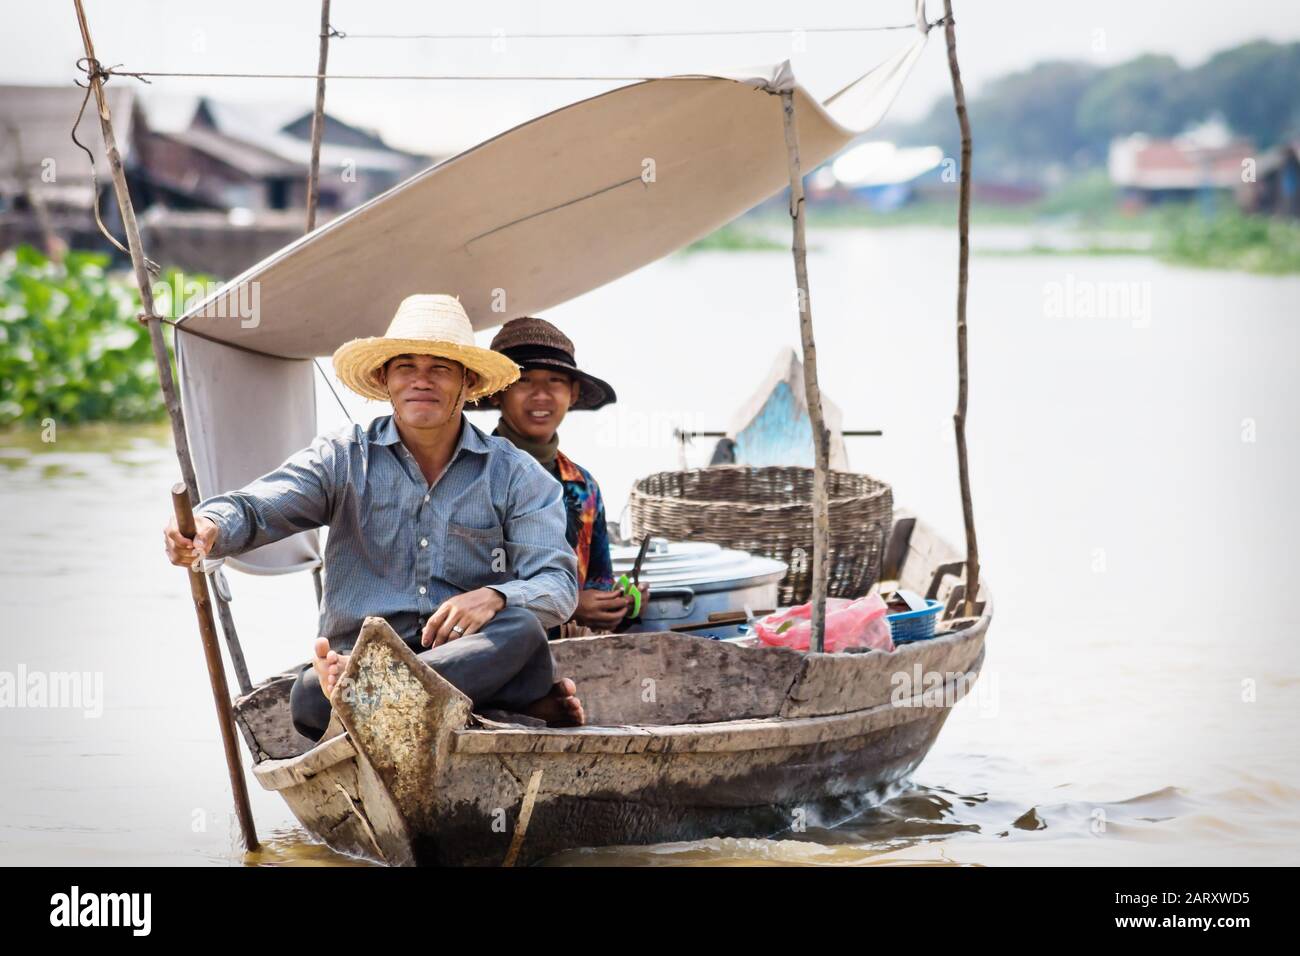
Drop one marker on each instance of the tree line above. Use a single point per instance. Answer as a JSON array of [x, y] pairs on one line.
[[1061, 115]]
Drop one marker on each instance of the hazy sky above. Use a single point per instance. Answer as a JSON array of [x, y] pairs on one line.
[[41, 44]]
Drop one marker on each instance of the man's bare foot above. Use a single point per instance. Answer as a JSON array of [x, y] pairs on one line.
[[561, 707], [329, 665]]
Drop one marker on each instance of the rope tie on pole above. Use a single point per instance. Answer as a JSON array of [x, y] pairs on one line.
[[94, 70]]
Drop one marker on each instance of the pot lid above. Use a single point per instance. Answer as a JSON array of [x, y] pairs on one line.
[[696, 564]]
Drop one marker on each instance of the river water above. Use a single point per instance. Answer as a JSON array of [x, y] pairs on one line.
[[1134, 444]]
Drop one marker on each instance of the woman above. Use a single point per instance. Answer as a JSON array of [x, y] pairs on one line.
[[549, 386]]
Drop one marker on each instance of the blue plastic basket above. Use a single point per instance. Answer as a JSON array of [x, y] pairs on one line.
[[908, 626]]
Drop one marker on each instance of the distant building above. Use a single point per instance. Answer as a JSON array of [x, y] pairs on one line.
[[216, 186], [355, 164], [46, 187], [1276, 189], [352, 155], [205, 169], [1203, 161]]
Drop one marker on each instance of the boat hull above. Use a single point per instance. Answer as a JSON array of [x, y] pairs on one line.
[[781, 790]]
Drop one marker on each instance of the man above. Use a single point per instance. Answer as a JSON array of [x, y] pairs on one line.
[[454, 537], [532, 410]]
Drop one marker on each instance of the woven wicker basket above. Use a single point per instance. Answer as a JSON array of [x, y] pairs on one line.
[[768, 511]]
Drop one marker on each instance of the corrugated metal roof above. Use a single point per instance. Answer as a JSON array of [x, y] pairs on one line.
[[244, 156], [263, 125]]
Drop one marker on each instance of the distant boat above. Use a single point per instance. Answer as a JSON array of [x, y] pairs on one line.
[[774, 428]]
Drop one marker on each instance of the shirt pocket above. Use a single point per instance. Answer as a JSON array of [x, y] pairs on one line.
[[475, 557]]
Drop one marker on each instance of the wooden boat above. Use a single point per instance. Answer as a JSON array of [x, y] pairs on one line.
[[687, 738]]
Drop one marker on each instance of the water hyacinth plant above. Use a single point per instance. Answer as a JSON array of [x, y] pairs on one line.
[[71, 348]]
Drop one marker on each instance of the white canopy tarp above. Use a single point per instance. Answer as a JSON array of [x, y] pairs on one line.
[[520, 223]]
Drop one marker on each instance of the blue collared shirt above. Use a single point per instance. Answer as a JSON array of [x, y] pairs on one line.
[[397, 547]]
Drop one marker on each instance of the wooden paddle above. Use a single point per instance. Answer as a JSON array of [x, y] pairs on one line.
[[216, 673]]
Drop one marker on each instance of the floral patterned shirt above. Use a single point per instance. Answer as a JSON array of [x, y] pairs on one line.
[[585, 528]]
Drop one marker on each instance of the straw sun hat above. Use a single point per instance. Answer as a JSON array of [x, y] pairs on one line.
[[423, 325]]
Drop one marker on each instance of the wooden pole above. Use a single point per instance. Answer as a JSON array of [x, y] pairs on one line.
[[54, 246], [525, 815], [318, 117], [313, 182], [151, 319], [821, 437], [963, 273], [232, 636], [167, 383], [216, 672]]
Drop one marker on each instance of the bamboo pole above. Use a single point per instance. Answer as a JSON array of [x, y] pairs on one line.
[[171, 399], [963, 274], [318, 117], [54, 246], [821, 437], [232, 636], [161, 358], [313, 184]]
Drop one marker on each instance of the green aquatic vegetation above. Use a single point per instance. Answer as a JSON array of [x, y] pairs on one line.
[[736, 237], [1230, 240], [71, 349]]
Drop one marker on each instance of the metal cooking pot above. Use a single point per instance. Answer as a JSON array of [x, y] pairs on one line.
[[689, 580]]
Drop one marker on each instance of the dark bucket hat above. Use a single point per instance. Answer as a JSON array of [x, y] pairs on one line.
[[537, 344]]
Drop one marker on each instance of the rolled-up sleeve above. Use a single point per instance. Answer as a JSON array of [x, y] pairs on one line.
[[546, 569], [297, 496]]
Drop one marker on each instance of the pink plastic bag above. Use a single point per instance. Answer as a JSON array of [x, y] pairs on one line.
[[860, 623]]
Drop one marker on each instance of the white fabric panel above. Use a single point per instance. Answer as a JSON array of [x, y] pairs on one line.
[[550, 209], [864, 102], [244, 415]]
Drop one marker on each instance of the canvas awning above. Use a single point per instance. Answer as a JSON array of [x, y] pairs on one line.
[[518, 224]]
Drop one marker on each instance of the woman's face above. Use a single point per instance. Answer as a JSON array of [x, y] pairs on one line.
[[535, 405]]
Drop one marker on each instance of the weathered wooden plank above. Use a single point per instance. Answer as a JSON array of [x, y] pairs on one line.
[[278, 774], [666, 678], [925, 552], [263, 717], [840, 683], [328, 804], [721, 737], [387, 825], [400, 713], [896, 548]]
